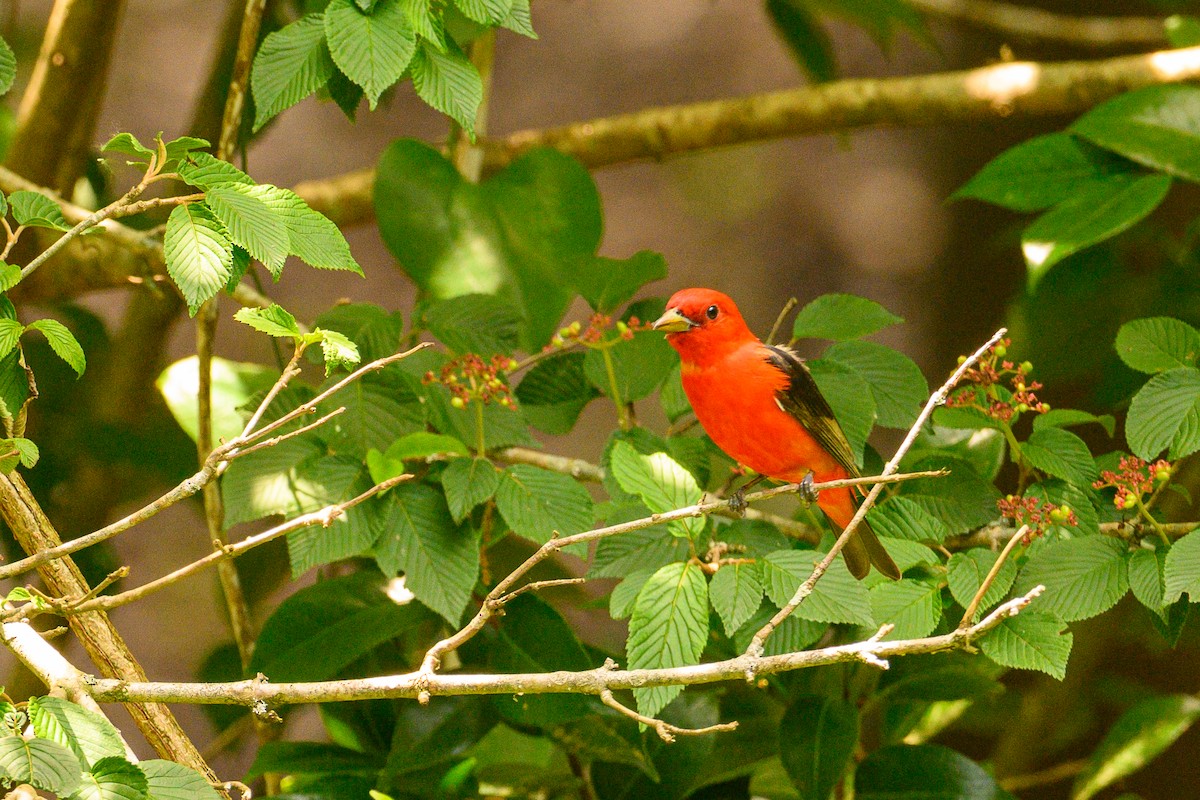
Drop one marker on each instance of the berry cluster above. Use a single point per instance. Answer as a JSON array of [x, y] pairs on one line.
[[1133, 480], [593, 335], [470, 378], [994, 371], [1035, 513]]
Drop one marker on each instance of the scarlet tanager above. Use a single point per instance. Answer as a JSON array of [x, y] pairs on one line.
[[761, 406]]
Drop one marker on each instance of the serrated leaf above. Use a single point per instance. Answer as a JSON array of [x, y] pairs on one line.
[[841, 317], [901, 518], [672, 398], [1165, 413], [668, 628], [62, 342], [896, 382], [205, 171], [374, 329], [36, 210], [837, 597], [1061, 454], [1089, 217], [1181, 572], [1042, 172], [1156, 344], [520, 20], [1030, 640], [449, 82], [608, 283], [1155, 126], [817, 737], [41, 763], [337, 349], [182, 146], [113, 778], [1070, 417], [966, 572], [476, 323], [90, 736], [554, 392], [274, 320], [1142, 732], [1146, 570], [624, 594], [468, 482], [961, 500], [10, 276], [536, 503], [424, 21], [198, 253], [170, 781], [129, 145], [250, 221], [292, 63], [661, 483], [923, 772], [17, 451], [914, 607], [653, 547], [638, 366], [439, 559], [372, 50], [792, 636], [422, 444], [8, 67], [1083, 577], [10, 335], [485, 12], [736, 593], [850, 397], [312, 237], [321, 629]]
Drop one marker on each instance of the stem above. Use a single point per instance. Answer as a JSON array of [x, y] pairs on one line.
[[610, 368], [481, 441], [987, 582], [1145, 514]]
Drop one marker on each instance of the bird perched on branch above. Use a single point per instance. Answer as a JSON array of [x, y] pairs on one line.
[[761, 406]]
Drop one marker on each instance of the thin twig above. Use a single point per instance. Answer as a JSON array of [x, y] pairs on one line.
[[537, 586], [783, 312], [665, 730], [990, 578], [805, 589], [91, 221], [274, 440]]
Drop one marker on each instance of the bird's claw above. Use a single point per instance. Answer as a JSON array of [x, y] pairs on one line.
[[806, 492], [737, 502]]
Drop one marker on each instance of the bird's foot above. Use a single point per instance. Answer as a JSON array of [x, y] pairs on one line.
[[806, 492], [737, 502]]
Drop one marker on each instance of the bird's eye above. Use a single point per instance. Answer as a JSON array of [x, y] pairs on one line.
[[712, 312]]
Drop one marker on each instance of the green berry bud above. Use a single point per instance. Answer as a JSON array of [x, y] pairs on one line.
[[458, 402], [1001, 350], [1022, 407], [1026, 366], [962, 359]]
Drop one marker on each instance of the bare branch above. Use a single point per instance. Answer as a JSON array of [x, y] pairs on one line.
[[969, 616], [1028, 22], [665, 730], [805, 589]]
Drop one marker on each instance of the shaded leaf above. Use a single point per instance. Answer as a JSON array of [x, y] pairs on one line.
[[668, 628]]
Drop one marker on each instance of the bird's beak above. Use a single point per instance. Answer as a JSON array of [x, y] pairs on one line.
[[673, 322]]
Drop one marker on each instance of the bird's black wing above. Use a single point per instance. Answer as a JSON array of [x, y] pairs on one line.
[[803, 400]]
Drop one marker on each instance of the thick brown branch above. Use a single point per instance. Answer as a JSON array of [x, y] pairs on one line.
[[1028, 22]]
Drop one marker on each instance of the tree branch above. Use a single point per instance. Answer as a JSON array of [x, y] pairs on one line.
[[1034, 23], [665, 730]]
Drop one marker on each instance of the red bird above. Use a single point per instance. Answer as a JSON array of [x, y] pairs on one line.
[[761, 406]]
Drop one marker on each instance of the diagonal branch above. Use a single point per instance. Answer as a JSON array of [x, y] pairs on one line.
[[1035, 23]]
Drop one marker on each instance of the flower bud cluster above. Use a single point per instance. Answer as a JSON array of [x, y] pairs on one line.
[[994, 370], [1134, 479], [594, 334], [471, 378], [1036, 513]]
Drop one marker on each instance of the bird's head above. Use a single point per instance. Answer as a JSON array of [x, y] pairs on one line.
[[703, 324]]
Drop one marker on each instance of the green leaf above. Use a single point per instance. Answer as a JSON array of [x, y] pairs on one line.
[[129, 145], [792, 636], [292, 63], [1061, 454], [113, 778], [436, 734], [554, 392], [1146, 570], [618, 556], [520, 20], [88, 735], [439, 559], [1030, 640], [36, 210], [638, 366], [1166, 413], [274, 320], [184, 145], [1042, 172], [1070, 417], [837, 597], [313, 758], [320, 630], [901, 518], [1142, 732], [10, 274], [373, 50], [966, 571], [961, 500], [841, 317], [206, 171], [935, 678], [914, 607], [284, 479], [468, 482], [62, 342], [10, 335], [536, 502], [449, 82], [817, 737], [485, 12], [380, 408], [1156, 344], [624, 594], [476, 323], [805, 37], [1083, 577], [198, 253], [850, 397], [15, 391], [1156, 126], [422, 444], [375, 330], [251, 221], [923, 772], [312, 237], [8, 67], [736, 593], [668, 628], [896, 382], [170, 781], [608, 283], [661, 483], [338, 350], [41, 763], [672, 398], [423, 19], [1088, 218], [17, 451], [1181, 572]]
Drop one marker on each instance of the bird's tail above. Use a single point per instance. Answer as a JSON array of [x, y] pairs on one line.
[[864, 548]]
